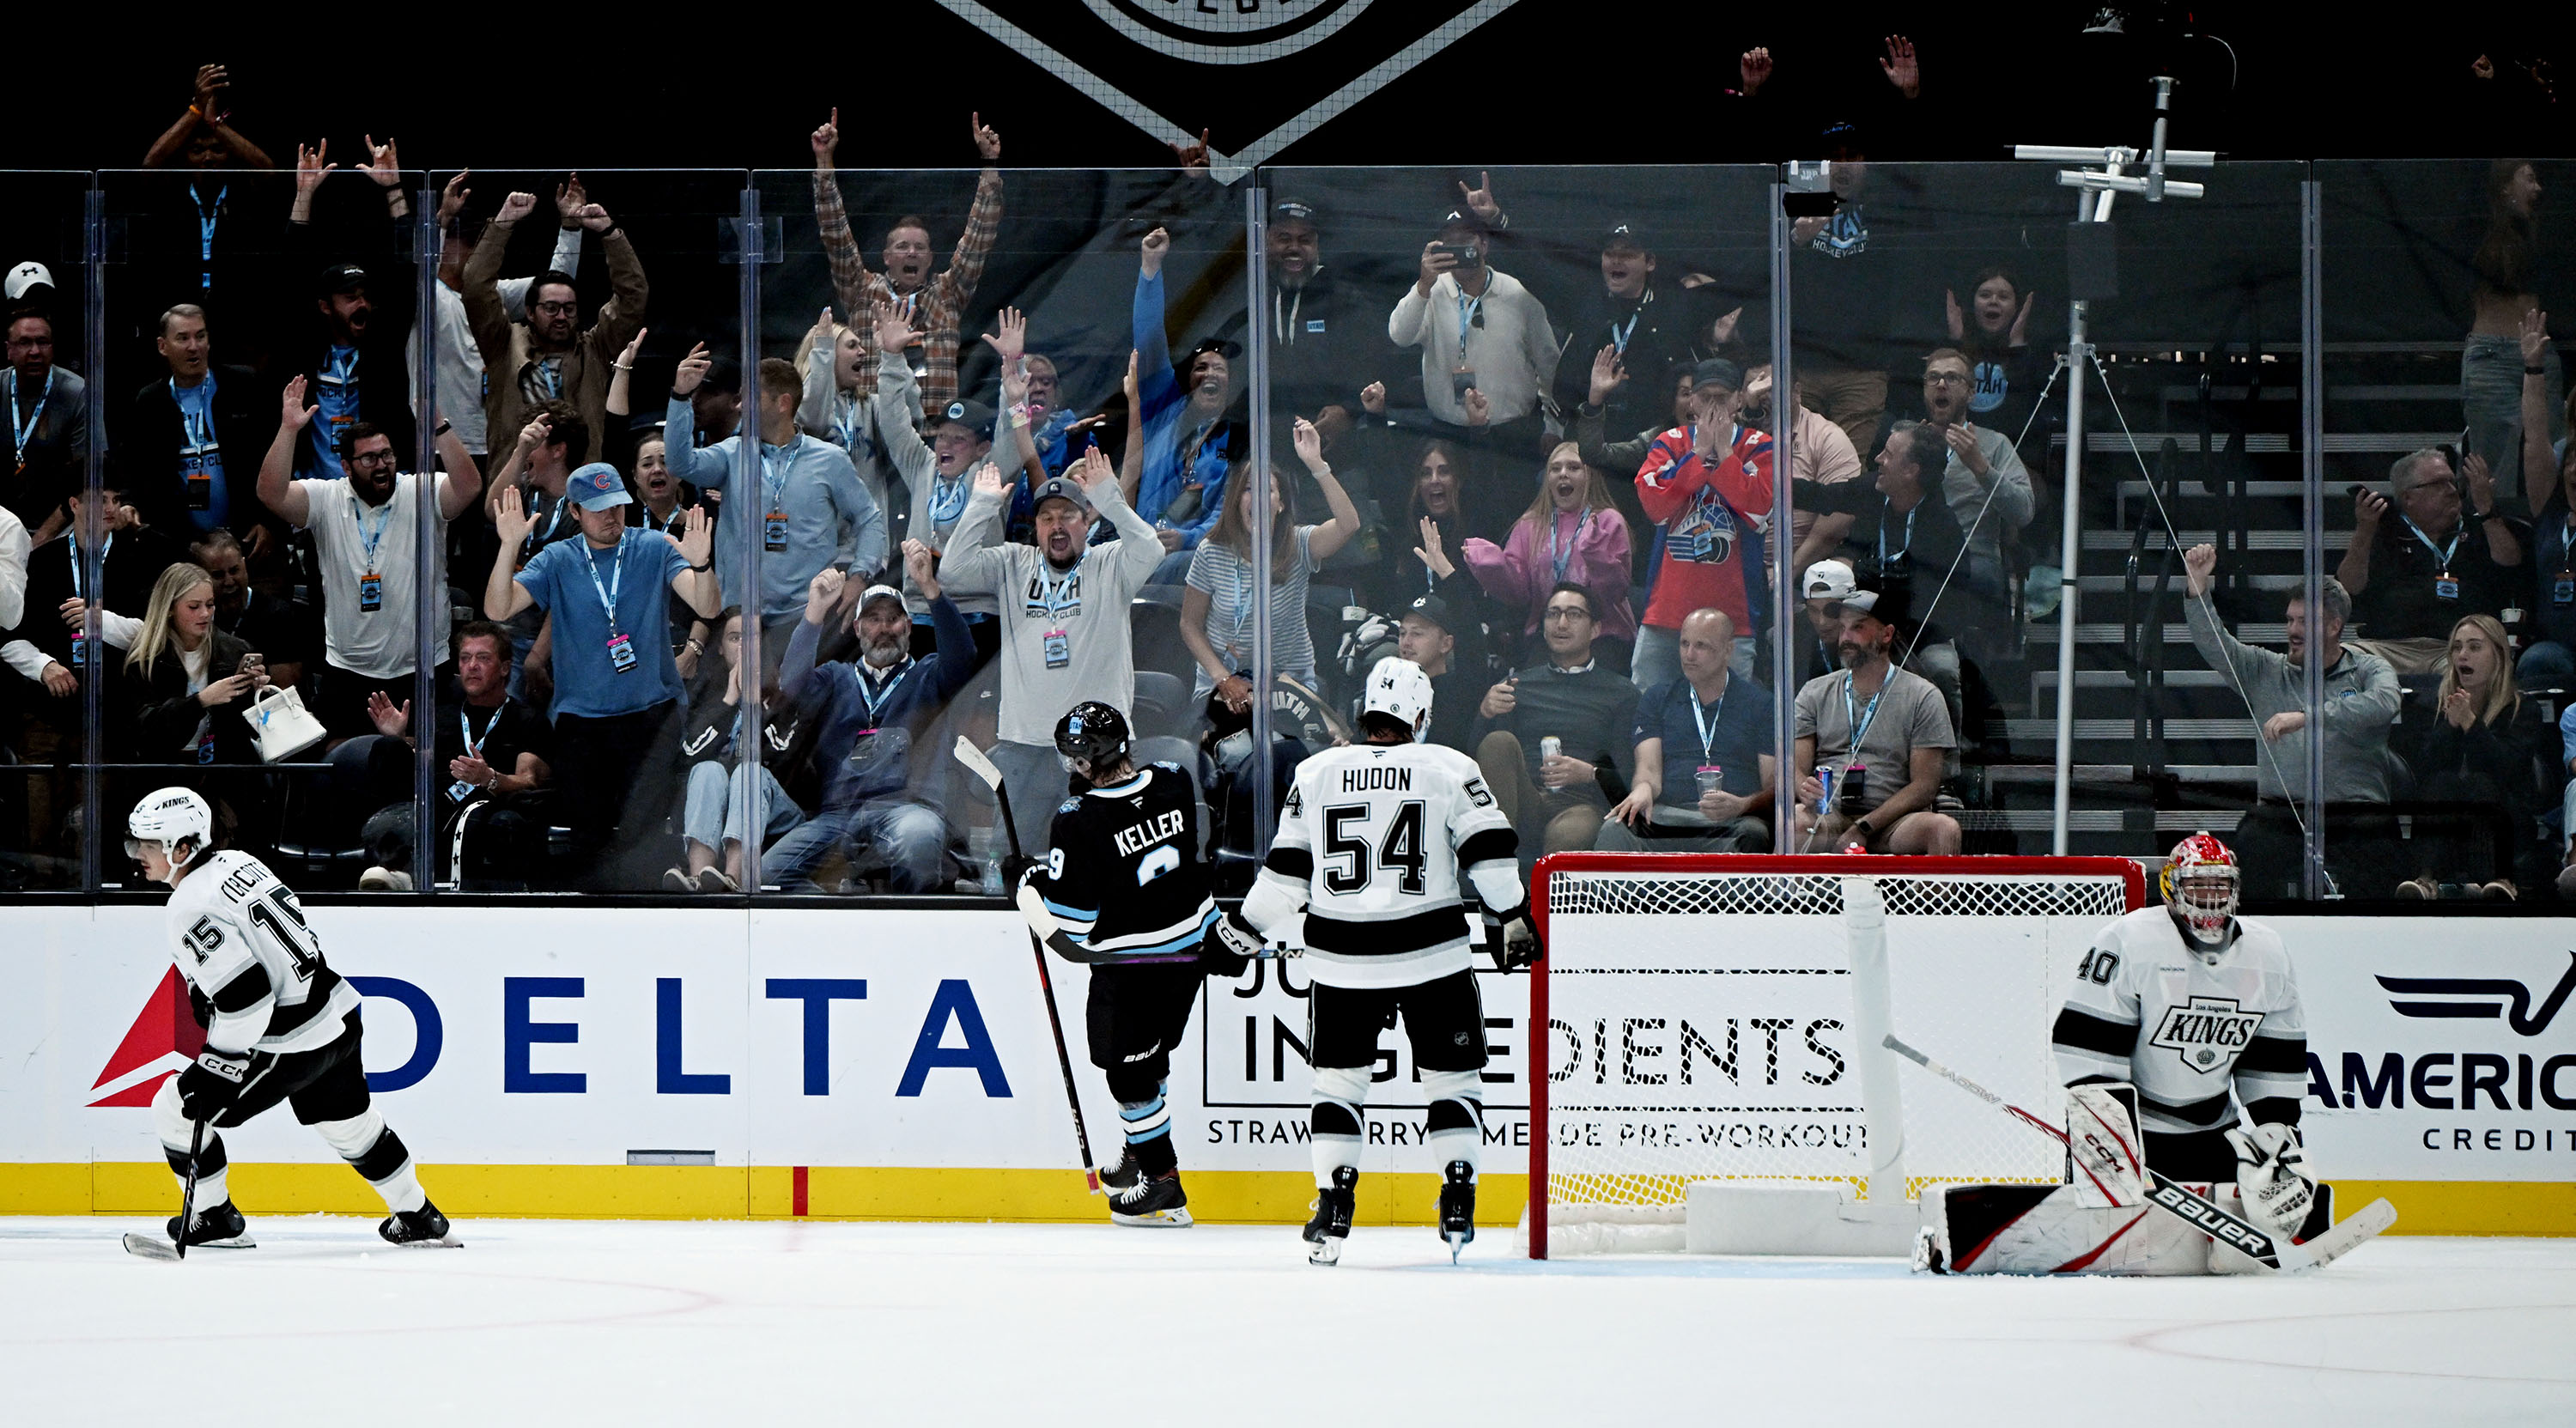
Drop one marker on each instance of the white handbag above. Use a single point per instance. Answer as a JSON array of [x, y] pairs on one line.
[[280, 724]]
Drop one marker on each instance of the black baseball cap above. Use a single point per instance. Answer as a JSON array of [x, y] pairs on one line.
[[1434, 609], [973, 415], [1717, 372], [1295, 210], [1626, 235], [339, 278]]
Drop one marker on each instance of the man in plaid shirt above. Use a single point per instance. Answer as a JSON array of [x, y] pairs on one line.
[[932, 306]]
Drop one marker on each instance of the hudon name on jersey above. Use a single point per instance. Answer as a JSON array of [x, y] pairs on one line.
[[2146, 1010], [1123, 873], [1372, 840], [240, 939]]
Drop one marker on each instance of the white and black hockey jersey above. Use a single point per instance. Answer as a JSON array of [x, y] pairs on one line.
[[1122, 872], [241, 941], [1371, 841], [2146, 1010]]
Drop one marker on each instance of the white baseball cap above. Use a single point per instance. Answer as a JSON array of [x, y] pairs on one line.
[[28, 275], [1831, 580]]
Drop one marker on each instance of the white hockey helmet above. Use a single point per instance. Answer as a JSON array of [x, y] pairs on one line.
[[169, 817], [1399, 689]]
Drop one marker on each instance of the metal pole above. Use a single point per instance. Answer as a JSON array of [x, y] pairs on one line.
[[749, 504], [2313, 882], [1784, 662], [429, 604], [93, 719], [1256, 200], [2079, 353]]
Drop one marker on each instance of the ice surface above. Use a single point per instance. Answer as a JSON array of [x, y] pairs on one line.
[[627, 1322]]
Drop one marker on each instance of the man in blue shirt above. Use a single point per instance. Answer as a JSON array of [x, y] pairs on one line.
[[1705, 768], [813, 512], [870, 711], [616, 688]]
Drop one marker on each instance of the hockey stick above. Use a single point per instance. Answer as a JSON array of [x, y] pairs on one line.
[[2271, 1251], [150, 1248], [1033, 909]]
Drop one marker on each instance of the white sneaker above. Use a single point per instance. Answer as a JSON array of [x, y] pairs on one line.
[[384, 880]]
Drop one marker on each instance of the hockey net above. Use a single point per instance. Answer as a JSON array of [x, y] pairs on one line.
[[1698, 1014]]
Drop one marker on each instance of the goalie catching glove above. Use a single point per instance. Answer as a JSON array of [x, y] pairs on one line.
[[2272, 1174]]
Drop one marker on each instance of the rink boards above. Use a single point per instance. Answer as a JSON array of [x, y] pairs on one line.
[[897, 1064]]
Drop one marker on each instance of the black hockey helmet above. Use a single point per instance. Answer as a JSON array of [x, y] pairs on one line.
[[1092, 732]]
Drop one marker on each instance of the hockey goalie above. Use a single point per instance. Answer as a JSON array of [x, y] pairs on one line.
[[2183, 1050]]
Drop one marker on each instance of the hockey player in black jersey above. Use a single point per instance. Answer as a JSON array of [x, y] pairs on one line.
[[1373, 840], [1123, 877], [280, 1026]]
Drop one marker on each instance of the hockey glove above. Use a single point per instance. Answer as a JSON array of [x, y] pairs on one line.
[[1230, 946], [1015, 871], [212, 1083], [2272, 1174], [1519, 947]]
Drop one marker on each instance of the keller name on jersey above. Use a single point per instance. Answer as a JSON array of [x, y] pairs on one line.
[[2207, 1031], [1137, 837]]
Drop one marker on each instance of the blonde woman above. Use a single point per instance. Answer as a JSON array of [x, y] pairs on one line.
[[181, 692], [1572, 531], [2488, 745]]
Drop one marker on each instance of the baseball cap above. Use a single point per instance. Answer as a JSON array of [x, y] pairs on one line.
[[1463, 218], [1717, 371], [339, 278], [1625, 235], [597, 487], [1293, 210], [1432, 608], [28, 275], [973, 415], [1831, 580], [1230, 351], [1055, 487], [879, 592]]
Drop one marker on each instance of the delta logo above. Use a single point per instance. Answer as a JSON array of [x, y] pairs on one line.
[[164, 1040]]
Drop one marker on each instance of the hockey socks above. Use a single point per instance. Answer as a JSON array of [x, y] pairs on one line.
[[1148, 1126], [1456, 1121], [1334, 1122], [379, 1157]]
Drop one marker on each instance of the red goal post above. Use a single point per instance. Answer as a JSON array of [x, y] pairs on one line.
[[1717, 988]]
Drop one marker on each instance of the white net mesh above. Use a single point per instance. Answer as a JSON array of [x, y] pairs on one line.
[[1699, 1026]]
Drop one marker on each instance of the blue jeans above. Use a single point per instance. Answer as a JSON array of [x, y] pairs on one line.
[[2491, 401], [912, 839], [708, 819]]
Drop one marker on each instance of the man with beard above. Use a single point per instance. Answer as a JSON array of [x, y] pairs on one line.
[[366, 538], [352, 360], [870, 711], [1064, 616], [1881, 734], [550, 356], [1190, 445], [1323, 336], [48, 426], [271, 625], [934, 306], [195, 433]]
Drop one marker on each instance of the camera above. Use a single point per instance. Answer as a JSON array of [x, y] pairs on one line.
[[1467, 254]]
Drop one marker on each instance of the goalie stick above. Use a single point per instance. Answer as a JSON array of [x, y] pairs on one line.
[[150, 1248], [1043, 933], [2273, 1252]]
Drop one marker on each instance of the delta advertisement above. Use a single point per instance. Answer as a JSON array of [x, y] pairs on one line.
[[542, 1037]]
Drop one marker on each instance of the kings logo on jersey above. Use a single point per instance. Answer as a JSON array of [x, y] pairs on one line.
[[2208, 1031]]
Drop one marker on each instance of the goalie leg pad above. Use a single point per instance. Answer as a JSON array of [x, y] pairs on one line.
[[2049, 1229], [1335, 1122], [1455, 1124], [2109, 1161]]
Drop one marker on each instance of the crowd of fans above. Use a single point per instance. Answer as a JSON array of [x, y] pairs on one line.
[[1555, 494]]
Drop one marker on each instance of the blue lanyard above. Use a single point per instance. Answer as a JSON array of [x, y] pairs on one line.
[[616, 579], [1619, 335], [384, 517], [773, 473], [1709, 726], [474, 746], [21, 430], [339, 367], [1469, 309], [199, 424], [1909, 530], [1860, 718], [1052, 593], [2443, 553], [947, 498], [103, 546], [878, 702], [534, 540], [1561, 559], [207, 217], [845, 420]]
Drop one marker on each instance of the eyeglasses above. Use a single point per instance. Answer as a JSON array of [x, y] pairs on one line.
[[1568, 612], [558, 309], [1945, 379]]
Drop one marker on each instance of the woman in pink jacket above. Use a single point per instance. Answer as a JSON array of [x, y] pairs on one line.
[[1572, 531]]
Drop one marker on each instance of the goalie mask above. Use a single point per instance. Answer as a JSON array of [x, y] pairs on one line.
[[2199, 884]]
